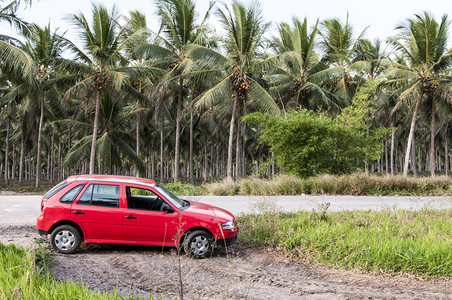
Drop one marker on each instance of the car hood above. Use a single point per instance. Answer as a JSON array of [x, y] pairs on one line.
[[210, 210]]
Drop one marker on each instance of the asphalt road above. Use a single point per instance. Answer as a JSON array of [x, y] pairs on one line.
[[25, 209]]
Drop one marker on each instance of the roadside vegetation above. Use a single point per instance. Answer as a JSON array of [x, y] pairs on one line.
[[358, 184], [25, 276], [416, 242], [354, 184]]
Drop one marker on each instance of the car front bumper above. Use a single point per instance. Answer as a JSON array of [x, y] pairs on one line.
[[225, 242]]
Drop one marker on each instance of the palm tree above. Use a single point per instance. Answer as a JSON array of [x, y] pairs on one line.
[[180, 30], [44, 47], [40, 48], [422, 42], [341, 50], [5, 116], [12, 56], [8, 15], [136, 27], [101, 65], [113, 144], [244, 31], [292, 78]]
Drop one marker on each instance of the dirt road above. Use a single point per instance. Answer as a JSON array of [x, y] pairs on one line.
[[242, 273]]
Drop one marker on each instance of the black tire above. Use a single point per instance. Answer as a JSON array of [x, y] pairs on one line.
[[65, 239], [198, 244]]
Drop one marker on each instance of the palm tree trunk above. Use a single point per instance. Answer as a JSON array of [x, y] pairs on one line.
[[410, 138], [238, 151], [69, 146], [38, 150], [152, 165], [7, 153], [21, 159], [392, 146], [177, 146], [161, 149], [217, 162], [52, 156], [243, 141], [446, 151], [13, 166], [59, 161], [206, 163], [137, 138], [190, 159], [386, 155], [366, 162], [92, 158], [231, 138], [432, 141], [413, 157]]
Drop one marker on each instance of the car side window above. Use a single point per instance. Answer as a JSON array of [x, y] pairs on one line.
[[101, 195], [143, 199], [70, 196]]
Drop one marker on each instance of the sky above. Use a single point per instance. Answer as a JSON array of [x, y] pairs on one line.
[[380, 17]]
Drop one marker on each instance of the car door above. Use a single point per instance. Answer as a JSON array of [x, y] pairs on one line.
[[98, 211], [143, 220]]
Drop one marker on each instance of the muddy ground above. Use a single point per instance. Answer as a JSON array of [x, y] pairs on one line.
[[240, 273]]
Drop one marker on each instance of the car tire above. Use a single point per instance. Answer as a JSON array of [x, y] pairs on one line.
[[65, 239], [198, 244]]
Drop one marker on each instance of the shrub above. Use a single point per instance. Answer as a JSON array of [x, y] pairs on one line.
[[306, 143]]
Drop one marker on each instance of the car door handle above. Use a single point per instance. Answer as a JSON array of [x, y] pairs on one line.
[[77, 212], [131, 217]]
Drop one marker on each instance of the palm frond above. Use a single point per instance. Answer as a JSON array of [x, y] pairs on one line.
[[260, 99], [17, 61], [215, 95]]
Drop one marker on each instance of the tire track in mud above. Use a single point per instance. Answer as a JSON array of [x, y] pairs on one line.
[[243, 273]]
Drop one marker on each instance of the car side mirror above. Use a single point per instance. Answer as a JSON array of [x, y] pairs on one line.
[[166, 208]]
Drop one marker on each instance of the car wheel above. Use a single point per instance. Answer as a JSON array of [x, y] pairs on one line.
[[198, 244], [65, 239]]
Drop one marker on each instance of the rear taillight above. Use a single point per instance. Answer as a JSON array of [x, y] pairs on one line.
[[43, 203]]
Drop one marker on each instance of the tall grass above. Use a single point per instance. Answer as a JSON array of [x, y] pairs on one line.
[[355, 184], [24, 275], [418, 242], [186, 189]]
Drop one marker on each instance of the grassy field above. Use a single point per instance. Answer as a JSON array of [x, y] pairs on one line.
[[24, 275], [417, 242]]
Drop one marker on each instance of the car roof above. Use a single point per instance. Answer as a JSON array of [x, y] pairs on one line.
[[112, 178]]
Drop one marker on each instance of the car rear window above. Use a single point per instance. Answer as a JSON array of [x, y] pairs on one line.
[[55, 189], [70, 196]]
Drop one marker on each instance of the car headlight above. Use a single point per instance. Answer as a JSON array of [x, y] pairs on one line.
[[228, 225]]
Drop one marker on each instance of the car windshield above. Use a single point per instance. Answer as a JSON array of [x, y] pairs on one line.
[[171, 197]]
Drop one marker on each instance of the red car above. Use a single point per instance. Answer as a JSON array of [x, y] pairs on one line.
[[129, 210]]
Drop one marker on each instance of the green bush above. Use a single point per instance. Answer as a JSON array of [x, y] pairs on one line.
[[306, 143]]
